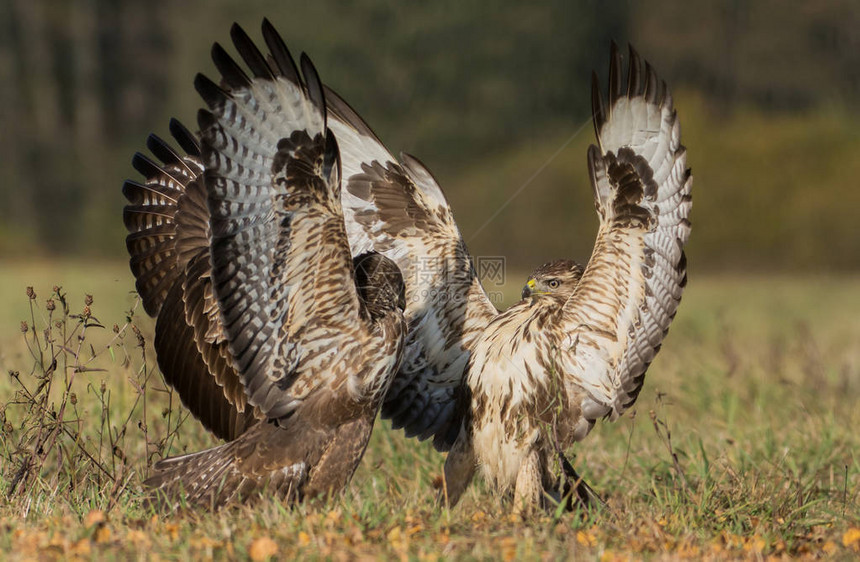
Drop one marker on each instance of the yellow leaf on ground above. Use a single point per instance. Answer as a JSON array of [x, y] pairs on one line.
[[851, 539], [754, 544], [586, 538], [509, 548], [94, 517], [102, 535], [333, 517], [304, 538], [137, 538], [262, 548], [397, 539], [172, 529], [80, 548]]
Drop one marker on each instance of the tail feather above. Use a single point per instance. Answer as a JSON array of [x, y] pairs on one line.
[[215, 477]]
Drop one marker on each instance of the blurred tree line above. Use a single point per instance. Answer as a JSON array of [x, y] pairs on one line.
[[484, 93]]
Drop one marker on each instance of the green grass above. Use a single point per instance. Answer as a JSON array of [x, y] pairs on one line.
[[754, 394]]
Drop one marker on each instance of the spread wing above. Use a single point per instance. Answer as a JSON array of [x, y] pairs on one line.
[[620, 312], [397, 208], [393, 207], [167, 220], [280, 255]]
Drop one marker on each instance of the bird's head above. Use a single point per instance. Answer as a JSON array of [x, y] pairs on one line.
[[556, 277], [379, 283]]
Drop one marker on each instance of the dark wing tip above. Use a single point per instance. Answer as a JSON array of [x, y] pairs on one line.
[[132, 192], [283, 60], [250, 53], [186, 139], [615, 87], [345, 112], [595, 160], [211, 93], [635, 83], [331, 161], [205, 120], [146, 167], [312, 79], [232, 74], [162, 150], [598, 109], [653, 92]]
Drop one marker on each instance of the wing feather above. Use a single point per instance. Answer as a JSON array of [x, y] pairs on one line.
[[167, 218], [617, 317], [397, 208], [280, 255]]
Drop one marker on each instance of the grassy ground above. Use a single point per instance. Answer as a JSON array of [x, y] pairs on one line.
[[743, 443]]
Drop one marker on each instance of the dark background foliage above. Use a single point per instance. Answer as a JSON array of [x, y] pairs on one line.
[[492, 96]]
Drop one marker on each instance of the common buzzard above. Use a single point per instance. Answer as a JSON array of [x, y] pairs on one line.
[[515, 389], [275, 336], [576, 348], [456, 337]]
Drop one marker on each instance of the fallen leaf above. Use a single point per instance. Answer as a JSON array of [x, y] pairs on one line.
[[333, 517], [137, 538], [94, 517], [396, 539], [442, 538], [262, 548], [509, 548], [754, 544], [586, 538], [102, 534], [80, 548], [851, 539], [172, 529]]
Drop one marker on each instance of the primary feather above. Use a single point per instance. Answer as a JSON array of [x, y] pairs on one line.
[[254, 263], [546, 369]]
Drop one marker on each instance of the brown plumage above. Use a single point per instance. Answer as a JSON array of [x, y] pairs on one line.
[[545, 370], [455, 381], [273, 334]]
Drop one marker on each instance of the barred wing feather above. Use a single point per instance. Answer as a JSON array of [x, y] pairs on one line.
[[280, 255], [397, 208], [167, 219], [617, 317]]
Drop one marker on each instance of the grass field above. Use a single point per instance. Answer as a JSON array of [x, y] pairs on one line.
[[743, 444]]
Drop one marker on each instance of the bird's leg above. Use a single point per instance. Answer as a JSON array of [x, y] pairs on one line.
[[576, 488], [340, 459], [528, 490], [459, 470], [572, 481]]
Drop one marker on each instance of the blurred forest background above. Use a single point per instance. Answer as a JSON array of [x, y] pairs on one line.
[[493, 97]]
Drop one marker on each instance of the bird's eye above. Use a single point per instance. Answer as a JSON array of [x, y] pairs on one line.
[[553, 283]]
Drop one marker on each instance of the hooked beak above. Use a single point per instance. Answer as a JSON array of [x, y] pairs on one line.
[[528, 289]]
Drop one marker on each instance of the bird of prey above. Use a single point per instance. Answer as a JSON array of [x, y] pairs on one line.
[[576, 348], [456, 337], [511, 391], [276, 337]]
